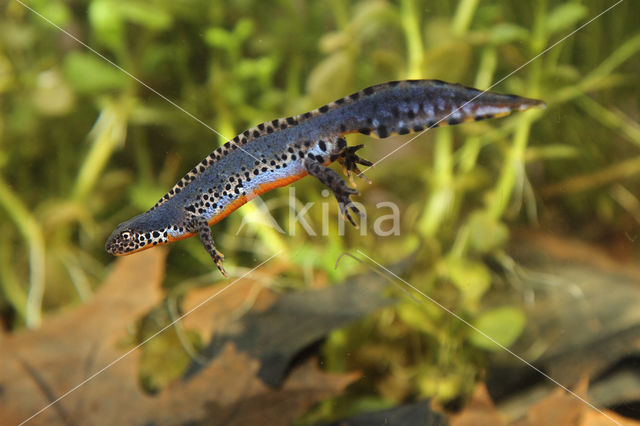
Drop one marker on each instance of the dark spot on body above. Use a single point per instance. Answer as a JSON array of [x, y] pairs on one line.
[[323, 108]]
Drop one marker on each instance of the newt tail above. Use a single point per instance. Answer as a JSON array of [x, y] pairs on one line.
[[279, 152]]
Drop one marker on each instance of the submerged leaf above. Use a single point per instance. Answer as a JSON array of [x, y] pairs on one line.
[[89, 74], [470, 277], [502, 325], [564, 16]]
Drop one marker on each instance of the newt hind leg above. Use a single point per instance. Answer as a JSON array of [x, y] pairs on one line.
[[338, 186], [349, 160]]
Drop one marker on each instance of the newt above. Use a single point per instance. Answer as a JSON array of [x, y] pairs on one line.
[[276, 153]]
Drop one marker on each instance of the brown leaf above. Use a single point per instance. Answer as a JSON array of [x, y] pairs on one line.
[[212, 315], [593, 418], [228, 392], [479, 411], [562, 408], [41, 365], [559, 408]]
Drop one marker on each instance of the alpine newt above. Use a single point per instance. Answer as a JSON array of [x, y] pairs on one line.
[[279, 152]]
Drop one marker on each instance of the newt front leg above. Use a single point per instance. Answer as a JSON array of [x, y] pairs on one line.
[[201, 226]]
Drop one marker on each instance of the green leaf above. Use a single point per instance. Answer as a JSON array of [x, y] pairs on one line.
[[419, 318], [218, 37], [504, 325], [152, 17], [507, 33], [55, 11], [243, 29], [470, 277], [485, 233], [106, 23], [564, 16], [90, 74]]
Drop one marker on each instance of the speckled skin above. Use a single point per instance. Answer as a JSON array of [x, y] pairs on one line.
[[279, 152]]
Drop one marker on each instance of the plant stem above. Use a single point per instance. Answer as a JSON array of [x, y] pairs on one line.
[[464, 15], [32, 233], [411, 26], [108, 133]]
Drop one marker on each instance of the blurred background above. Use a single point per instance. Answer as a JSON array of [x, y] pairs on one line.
[[525, 227]]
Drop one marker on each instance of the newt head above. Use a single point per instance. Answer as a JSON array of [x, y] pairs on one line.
[[135, 235]]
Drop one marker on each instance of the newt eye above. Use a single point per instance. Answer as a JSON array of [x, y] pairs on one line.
[[126, 235]]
